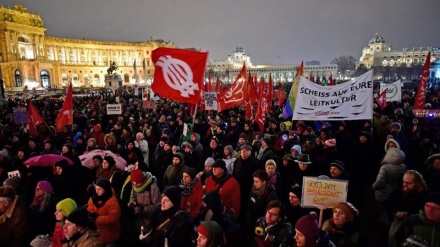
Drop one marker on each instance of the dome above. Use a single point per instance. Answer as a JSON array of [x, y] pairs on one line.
[[239, 49], [377, 39]]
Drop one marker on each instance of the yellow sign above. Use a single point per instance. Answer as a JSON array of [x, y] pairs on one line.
[[323, 192]]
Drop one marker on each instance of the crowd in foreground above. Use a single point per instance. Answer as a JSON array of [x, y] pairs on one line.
[[216, 179]]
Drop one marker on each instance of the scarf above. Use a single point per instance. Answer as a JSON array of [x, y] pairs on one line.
[[143, 187], [260, 153], [186, 189], [259, 192], [99, 201]]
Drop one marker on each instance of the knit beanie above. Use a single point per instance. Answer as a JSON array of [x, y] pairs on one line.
[[62, 163], [66, 206], [191, 172], [14, 182], [137, 176], [45, 185], [213, 231], [297, 148], [229, 148], [79, 217], [308, 226], [174, 194], [349, 210], [266, 140], [415, 241], [111, 161], [104, 183], [179, 156], [209, 162], [219, 164], [396, 125], [338, 164], [270, 162], [434, 197], [297, 190]]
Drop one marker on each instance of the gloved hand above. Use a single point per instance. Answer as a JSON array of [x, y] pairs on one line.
[[139, 208]]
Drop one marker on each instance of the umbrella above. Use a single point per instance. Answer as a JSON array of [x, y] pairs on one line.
[[87, 159], [46, 160]]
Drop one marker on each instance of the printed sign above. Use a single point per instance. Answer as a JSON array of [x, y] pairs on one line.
[[352, 100], [394, 91], [20, 115], [210, 101], [323, 192], [114, 109]]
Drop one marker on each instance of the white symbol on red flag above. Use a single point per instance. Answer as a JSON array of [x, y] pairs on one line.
[[178, 75]]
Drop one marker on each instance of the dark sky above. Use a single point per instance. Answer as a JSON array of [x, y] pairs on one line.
[[270, 31]]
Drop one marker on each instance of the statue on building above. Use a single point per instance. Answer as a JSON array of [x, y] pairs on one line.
[[113, 67]]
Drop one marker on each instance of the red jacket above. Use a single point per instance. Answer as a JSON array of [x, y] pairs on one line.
[[229, 193], [108, 220], [192, 203]]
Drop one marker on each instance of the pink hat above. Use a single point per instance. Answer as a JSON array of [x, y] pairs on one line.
[[45, 185]]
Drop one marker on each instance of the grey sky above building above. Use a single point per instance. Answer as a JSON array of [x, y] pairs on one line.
[[271, 32]]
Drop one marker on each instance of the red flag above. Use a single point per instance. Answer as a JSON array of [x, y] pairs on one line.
[[178, 73], [251, 91], [65, 116], [33, 119], [234, 94], [331, 82], [421, 91], [311, 77], [218, 86], [382, 99], [270, 93], [281, 95], [261, 87], [262, 109], [248, 112], [208, 86]]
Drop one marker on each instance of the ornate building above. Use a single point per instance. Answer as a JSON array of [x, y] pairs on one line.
[[227, 70], [29, 59], [379, 54]]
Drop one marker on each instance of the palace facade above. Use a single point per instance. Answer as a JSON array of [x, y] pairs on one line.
[[29, 59]]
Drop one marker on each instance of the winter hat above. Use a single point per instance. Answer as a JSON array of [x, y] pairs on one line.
[[247, 147], [4, 153], [266, 140], [62, 163], [434, 197], [213, 231], [396, 125], [213, 201], [391, 140], [209, 162], [174, 194], [14, 182], [338, 164], [163, 139], [191, 172], [187, 144], [365, 134], [169, 143], [270, 162], [219, 164], [79, 217], [297, 190], [242, 135], [303, 158], [104, 183], [129, 140], [349, 210], [297, 148], [229, 148], [308, 226], [8, 192], [288, 157], [137, 176], [66, 206], [292, 133], [45, 186], [415, 241], [214, 138], [111, 161], [97, 128]]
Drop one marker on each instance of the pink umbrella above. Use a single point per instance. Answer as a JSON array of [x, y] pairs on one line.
[[46, 160], [87, 159]]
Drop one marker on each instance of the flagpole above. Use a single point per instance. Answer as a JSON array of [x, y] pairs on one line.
[[195, 113]]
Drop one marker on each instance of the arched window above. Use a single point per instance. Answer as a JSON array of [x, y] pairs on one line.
[[86, 78], [45, 79], [64, 79], [96, 78], [18, 78], [75, 78], [126, 78]]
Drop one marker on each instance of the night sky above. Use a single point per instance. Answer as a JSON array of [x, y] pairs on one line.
[[271, 32]]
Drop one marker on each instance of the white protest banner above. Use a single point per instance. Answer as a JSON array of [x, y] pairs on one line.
[[394, 91], [114, 109], [185, 129], [352, 100], [211, 101], [323, 192]]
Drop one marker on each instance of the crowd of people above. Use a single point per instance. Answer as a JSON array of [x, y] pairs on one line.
[[216, 179]]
